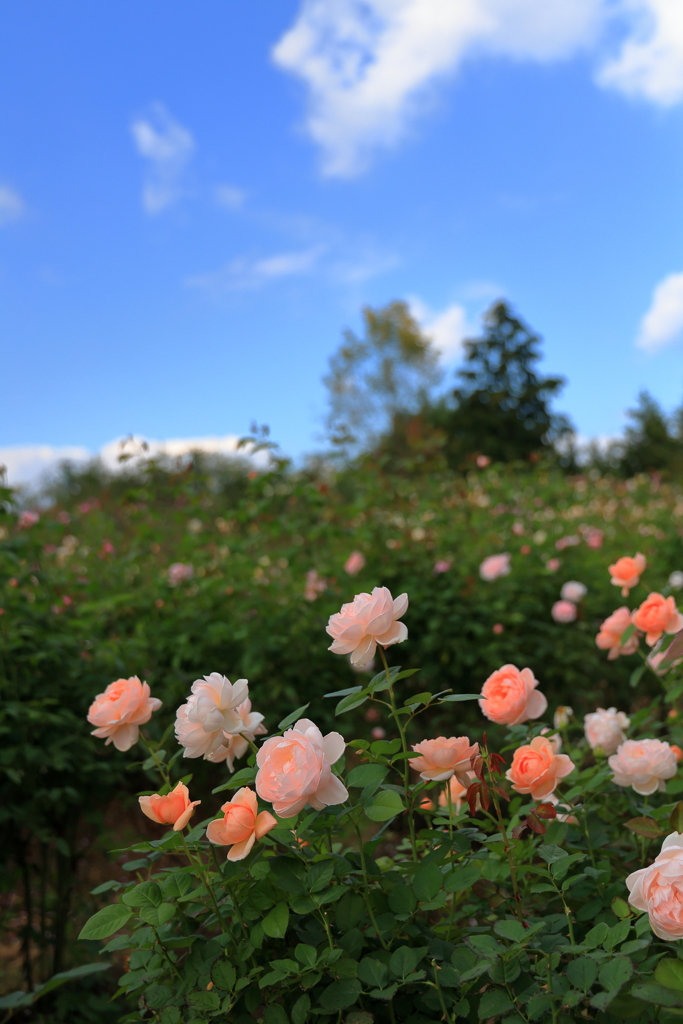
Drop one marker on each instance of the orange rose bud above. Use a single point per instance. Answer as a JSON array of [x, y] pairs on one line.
[[173, 809]]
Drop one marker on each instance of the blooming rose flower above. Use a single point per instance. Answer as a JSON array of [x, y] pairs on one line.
[[483, 461], [676, 579], [644, 765], [441, 758], [574, 591], [458, 791], [562, 716], [510, 697], [658, 662], [537, 769], [553, 564], [369, 620], [677, 751], [294, 769], [567, 542], [625, 572], [118, 712], [443, 565], [173, 809], [611, 632], [27, 519], [605, 728], [657, 615], [241, 825], [594, 537], [210, 714], [563, 611], [178, 573], [555, 740], [315, 585], [658, 889], [494, 566], [235, 746], [354, 563]]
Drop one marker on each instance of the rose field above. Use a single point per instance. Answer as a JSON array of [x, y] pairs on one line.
[[344, 745]]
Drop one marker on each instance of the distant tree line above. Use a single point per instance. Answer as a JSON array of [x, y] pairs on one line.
[[387, 402]]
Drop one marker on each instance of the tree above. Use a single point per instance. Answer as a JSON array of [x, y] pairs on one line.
[[651, 442], [389, 372]]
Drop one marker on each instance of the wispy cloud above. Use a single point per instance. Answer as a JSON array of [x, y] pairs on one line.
[[662, 325], [167, 147], [243, 273], [28, 462], [11, 205], [447, 329], [371, 66], [230, 197]]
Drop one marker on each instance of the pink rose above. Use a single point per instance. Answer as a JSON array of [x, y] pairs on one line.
[[537, 769], [369, 620], [605, 728], [441, 566], [567, 542], [458, 791], [173, 809], [295, 770], [241, 824], [563, 611], [315, 585], [657, 615], [611, 631], [625, 572], [494, 566], [658, 889], [483, 461], [354, 563], [210, 714], [658, 662], [644, 765], [120, 710], [178, 573], [27, 519], [235, 745], [553, 564], [441, 758], [594, 537], [573, 591], [509, 697]]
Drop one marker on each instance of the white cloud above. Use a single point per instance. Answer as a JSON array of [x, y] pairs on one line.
[[26, 463], [230, 197], [663, 323], [167, 146], [11, 205], [650, 63], [447, 329], [370, 66], [244, 273]]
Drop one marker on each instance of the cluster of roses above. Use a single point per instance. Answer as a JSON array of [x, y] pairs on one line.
[[656, 616]]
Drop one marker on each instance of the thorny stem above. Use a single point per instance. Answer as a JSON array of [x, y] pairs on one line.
[[165, 955], [159, 765], [508, 851], [323, 918], [437, 986], [404, 748], [205, 879], [366, 898]]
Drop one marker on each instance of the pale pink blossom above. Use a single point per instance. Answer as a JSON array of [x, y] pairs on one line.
[[553, 564], [657, 660], [611, 632], [510, 697], [594, 537], [658, 889], [172, 809], [27, 519], [118, 712], [483, 461], [443, 565], [563, 611], [241, 824], [296, 769], [369, 620], [537, 769], [315, 585], [626, 572], [573, 591], [518, 529], [354, 563], [179, 572], [378, 733], [562, 715], [498, 628], [604, 728], [210, 714], [567, 542], [442, 758], [495, 566], [657, 615], [235, 746], [643, 764]]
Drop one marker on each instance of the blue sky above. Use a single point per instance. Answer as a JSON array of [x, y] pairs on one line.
[[195, 200]]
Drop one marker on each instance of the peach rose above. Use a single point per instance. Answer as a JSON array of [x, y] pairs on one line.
[[369, 620], [241, 825], [677, 751], [354, 563], [118, 712], [605, 728], [611, 632], [657, 615], [458, 791], [509, 697], [295, 770], [644, 765], [441, 758], [210, 714], [537, 769], [658, 889], [173, 809], [563, 611], [235, 746], [495, 566], [659, 662], [625, 572]]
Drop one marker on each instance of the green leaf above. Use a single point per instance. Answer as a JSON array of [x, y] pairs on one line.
[[275, 1014], [597, 935], [171, 1015], [669, 973], [615, 973], [551, 854], [676, 818], [402, 899], [306, 955], [656, 994], [636, 675], [386, 747], [295, 715], [146, 894], [105, 922], [204, 1000], [364, 774], [418, 698], [452, 697], [244, 777], [511, 930], [403, 961], [494, 1002], [373, 971], [353, 700], [223, 975], [341, 994], [428, 881], [617, 933], [647, 827], [582, 972], [76, 972], [275, 923], [461, 878], [320, 875], [299, 1011], [105, 887], [176, 885], [156, 916], [384, 805], [620, 907]]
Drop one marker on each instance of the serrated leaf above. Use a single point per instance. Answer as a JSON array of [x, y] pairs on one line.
[[615, 973], [299, 1011], [494, 1002], [223, 975], [105, 922], [461, 878], [384, 805], [156, 916], [365, 773], [341, 994], [275, 923], [669, 973], [403, 961], [582, 972], [511, 930]]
